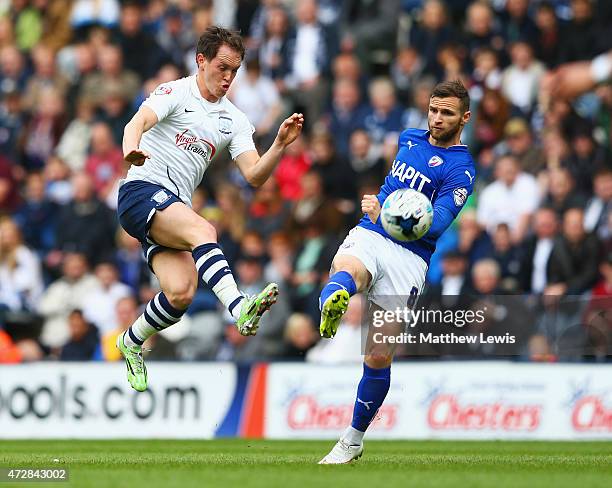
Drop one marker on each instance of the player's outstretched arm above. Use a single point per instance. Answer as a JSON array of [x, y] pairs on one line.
[[142, 121], [257, 169]]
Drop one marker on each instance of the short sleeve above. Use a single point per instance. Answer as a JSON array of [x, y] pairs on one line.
[[242, 140], [163, 100]]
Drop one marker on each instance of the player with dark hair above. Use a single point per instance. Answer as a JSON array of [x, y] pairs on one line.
[[392, 272], [170, 142]]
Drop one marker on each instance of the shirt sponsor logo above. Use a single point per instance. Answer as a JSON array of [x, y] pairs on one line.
[[435, 161], [189, 142], [460, 196]]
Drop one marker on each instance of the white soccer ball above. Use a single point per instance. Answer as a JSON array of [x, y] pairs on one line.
[[406, 214]]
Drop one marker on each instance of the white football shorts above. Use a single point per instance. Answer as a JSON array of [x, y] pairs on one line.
[[398, 274]]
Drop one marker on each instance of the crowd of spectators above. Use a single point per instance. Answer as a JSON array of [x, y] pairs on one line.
[[73, 72]]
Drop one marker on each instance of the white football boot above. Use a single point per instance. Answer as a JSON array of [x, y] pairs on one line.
[[343, 453]]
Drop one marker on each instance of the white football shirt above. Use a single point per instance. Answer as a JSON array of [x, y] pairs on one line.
[[189, 133]]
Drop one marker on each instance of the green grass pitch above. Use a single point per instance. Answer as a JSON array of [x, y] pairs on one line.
[[243, 463]]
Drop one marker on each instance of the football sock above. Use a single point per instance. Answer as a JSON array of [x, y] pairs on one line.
[[214, 270], [342, 280], [158, 315], [371, 393]]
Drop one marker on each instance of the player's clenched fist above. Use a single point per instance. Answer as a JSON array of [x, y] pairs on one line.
[[371, 206], [136, 157]]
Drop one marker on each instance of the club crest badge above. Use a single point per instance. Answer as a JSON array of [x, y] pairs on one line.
[[225, 124], [435, 161]]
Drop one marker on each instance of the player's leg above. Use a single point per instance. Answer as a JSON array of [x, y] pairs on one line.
[[349, 275], [179, 227], [371, 391], [178, 281]]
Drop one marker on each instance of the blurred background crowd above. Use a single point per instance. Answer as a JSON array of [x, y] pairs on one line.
[[73, 72]]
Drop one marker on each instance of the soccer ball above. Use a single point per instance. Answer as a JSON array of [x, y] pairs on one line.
[[406, 214]]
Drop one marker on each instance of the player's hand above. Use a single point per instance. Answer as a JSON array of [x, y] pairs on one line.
[[371, 206], [290, 129], [136, 157]]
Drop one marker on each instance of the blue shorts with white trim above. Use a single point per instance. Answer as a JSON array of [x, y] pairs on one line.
[[138, 202]]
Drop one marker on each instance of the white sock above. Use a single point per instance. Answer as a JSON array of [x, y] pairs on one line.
[[353, 436]]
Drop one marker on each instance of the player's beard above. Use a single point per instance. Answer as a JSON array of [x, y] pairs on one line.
[[448, 134]]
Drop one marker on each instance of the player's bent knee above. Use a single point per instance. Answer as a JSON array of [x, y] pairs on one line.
[[202, 232], [379, 360], [180, 297]]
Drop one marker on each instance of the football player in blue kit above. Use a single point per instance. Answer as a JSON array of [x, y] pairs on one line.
[[392, 272]]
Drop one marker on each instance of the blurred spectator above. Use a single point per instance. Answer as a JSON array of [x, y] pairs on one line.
[[314, 206], [274, 43], [518, 141], [21, 281], [536, 251], [346, 346], [99, 306], [57, 180], [562, 193], [510, 199], [280, 251], [406, 71], [364, 158], [175, 38], [9, 195], [105, 163], [307, 53], [269, 211], [259, 21], [11, 122], [507, 256], [126, 313], [347, 113], [87, 225], [114, 110], [574, 259], [43, 131], [83, 340], [257, 96], [481, 31], [300, 335], [516, 24], [474, 242], [598, 209], [486, 74], [63, 296], [111, 74], [581, 35], [141, 52], [486, 276], [37, 216], [267, 343], [550, 34], [432, 33], [74, 143], [369, 28], [491, 117], [454, 277], [415, 116], [336, 173], [586, 157], [521, 80], [45, 75], [13, 69], [384, 114], [293, 165]]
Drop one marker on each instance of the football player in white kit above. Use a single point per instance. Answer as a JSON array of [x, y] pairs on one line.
[[170, 142]]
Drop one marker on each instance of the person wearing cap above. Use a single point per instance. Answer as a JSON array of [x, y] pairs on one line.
[[518, 141]]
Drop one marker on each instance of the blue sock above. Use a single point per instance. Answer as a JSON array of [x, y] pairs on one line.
[[371, 394], [338, 281]]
